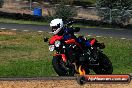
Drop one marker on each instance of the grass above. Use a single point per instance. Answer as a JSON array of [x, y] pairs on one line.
[[24, 54], [91, 1], [120, 53], [6, 20]]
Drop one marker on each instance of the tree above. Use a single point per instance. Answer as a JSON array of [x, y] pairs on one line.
[[64, 12], [39, 1], [68, 2], [115, 10]]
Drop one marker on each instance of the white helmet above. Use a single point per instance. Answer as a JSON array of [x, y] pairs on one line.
[[56, 25]]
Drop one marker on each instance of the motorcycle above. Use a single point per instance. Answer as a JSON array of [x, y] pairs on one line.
[[72, 58]]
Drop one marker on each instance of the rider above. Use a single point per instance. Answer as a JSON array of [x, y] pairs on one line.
[[58, 28]]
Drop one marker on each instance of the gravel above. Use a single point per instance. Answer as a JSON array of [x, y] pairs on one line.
[[57, 84]]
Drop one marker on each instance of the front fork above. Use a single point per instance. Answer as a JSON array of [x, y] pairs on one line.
[[79, 69], [63, 56]]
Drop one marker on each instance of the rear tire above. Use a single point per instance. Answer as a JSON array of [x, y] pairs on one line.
[[105, 65]]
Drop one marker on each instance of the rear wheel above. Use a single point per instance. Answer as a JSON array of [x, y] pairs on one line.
[[60, 68], [105, 65]]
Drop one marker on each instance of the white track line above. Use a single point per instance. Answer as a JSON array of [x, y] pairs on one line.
[[50, 32], [14, 29], [40, 31], [3, 28], [89, 35], [119, 29], [25, 30], [98, 36], [123, 38]]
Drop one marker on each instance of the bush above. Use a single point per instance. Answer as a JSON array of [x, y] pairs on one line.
[[84, 3], [64, 12], [28, 17], [1, 3]]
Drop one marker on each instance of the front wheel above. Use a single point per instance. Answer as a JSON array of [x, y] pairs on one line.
[[81, 80], [60, 68], [105, 65]]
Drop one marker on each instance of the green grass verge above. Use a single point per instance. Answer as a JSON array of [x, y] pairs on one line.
[[27, 68], [120, 53], [24, 54], [5, 20], [91, 1]]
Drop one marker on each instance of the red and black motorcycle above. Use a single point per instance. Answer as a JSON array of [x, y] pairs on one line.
[[73, 58]]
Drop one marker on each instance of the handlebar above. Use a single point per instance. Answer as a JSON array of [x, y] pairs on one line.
[[74, 29], [70, 23]]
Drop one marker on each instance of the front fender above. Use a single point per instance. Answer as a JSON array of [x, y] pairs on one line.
[[63, 57]]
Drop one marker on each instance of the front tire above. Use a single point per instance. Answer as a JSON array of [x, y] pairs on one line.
[[105, 65], [60, 68], [81, 80]]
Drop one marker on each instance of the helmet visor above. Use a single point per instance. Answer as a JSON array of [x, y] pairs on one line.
[[54, 28]]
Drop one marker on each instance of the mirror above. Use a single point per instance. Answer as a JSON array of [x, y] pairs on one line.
[[46, 39]]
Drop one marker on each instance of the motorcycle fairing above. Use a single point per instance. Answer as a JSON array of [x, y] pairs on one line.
[[63, 56], [92, 41], [54, 38], [72, 41]]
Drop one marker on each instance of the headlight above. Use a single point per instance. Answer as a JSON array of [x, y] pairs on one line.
[[51, 48], [57, 43]]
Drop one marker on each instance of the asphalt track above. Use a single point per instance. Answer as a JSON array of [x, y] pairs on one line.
[[98, 32]]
